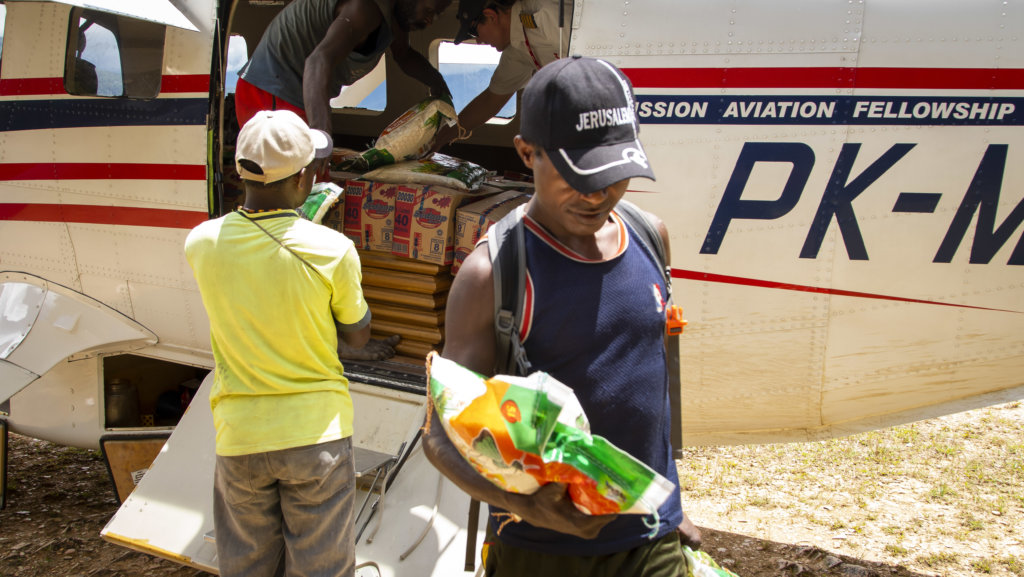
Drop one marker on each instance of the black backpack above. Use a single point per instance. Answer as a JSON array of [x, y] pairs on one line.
[[506, 242]]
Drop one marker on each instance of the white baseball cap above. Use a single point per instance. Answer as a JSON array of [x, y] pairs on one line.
[[280, 144]]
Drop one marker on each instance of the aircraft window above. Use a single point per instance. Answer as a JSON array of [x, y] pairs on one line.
[[3, 22], [111, 55], [467, 69], [367, 93], [238, 55]]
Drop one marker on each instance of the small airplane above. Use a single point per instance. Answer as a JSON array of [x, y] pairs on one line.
[[843, 182]]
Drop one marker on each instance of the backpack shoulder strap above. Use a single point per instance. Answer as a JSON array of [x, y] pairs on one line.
[[637, 220], [653, 243], [506, 244]]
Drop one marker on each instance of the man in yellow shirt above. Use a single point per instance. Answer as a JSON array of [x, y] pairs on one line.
[[280, 292]]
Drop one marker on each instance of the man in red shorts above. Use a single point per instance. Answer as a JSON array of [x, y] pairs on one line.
[[315, 47]]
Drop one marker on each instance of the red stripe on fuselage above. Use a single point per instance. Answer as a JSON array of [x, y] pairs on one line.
[[110, 215], [752, 282], [830, 78], [100, 171], [169, 84]]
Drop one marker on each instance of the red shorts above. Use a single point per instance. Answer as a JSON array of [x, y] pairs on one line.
[[249, 100]]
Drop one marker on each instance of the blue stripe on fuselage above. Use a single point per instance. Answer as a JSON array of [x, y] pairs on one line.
[[830, 110], [94, 112]]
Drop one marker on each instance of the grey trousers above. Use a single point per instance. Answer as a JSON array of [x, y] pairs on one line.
[[287, 512]]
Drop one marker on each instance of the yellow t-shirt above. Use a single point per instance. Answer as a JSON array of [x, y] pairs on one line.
[[278, 382]]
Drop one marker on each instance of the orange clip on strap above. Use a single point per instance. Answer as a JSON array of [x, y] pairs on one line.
[[674, 321]]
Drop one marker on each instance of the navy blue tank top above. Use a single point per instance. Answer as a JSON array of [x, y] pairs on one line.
[[599, 327]]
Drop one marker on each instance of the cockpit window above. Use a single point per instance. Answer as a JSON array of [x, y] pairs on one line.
[[114, 56]]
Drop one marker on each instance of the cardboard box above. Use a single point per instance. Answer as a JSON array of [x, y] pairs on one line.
[[424, 226], [473, 220], [355, 193], [365, 214], [378, 217]]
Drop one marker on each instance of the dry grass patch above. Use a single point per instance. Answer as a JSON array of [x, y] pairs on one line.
[[937, 497]]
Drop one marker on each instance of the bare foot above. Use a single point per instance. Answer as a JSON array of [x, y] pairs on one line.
[[375, 350]]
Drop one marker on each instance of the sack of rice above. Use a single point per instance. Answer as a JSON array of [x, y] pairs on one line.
[[437, 169], [408, 137]]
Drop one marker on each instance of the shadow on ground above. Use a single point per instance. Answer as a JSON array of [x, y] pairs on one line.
[[752, 557]]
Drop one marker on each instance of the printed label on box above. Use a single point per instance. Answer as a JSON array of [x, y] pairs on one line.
[[425, 223], [401, 244], [378, 216], [355, 191]]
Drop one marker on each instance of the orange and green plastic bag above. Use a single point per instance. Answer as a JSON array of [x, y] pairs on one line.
[[523, 432]]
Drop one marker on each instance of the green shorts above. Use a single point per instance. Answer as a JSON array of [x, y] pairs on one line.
[[661, 558]]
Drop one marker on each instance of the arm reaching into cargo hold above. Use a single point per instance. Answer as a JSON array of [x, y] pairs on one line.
[[417, 66], [312, 49], [528, 34]]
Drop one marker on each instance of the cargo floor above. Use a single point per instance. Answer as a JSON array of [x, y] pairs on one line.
[[399, 373]]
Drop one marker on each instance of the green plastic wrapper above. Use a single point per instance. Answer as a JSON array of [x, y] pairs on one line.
[[700, 564], [523, 432], [321, 198]]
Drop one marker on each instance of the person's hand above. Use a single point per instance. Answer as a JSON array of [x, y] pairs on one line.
[[374, 350], [551, 507], [321, 167], [440, 89], [443, 137], [689, 534]]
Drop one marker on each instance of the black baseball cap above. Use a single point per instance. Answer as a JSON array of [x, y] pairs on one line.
[[582, 113], [469, 12]]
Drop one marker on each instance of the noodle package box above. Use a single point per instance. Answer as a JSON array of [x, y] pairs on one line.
[[473, 219], [424, 222], [370, 214]]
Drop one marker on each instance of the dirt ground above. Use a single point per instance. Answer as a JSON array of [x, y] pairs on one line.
[[759, 522]]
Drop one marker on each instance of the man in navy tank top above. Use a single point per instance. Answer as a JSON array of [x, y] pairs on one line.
[[593, 318]]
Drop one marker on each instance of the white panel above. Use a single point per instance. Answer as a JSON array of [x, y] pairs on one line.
[[35, 48], [179, 314], [934, 34], [384, 419], [20, 305], [69, 323], [13, 379], [171, 508], [133, 253], [188, 52], [127, 144], [710, 27], [159, 11], [63, 406], [40, 247], [123, 144]]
